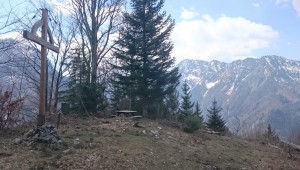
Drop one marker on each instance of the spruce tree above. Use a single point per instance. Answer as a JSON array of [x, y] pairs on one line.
[[215, 121], [144, 68], [198, 112], [270, 134], [186, 106]]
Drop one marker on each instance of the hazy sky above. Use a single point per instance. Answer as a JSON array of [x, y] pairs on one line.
[[227, 30]]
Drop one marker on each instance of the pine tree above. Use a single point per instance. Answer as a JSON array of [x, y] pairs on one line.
[[215, 121], [198, 112], [144, 66], [186, 106], [270, 134]]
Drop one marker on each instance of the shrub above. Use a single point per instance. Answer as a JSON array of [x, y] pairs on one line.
[[9, 110], [192, 124]]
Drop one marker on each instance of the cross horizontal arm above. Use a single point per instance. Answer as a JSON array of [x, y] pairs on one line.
[[30, 36]]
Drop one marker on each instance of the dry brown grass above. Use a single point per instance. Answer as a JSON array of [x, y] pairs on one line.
[[116, 144]]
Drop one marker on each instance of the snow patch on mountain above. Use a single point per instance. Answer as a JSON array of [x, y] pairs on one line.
[[230, 90], [292, 68], [250, 90], [193, 78], [211, 84]]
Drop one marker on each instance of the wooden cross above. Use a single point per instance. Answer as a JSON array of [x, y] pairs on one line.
[[32, 35]]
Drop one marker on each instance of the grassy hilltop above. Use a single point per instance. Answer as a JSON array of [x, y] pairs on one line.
[[116, 144]]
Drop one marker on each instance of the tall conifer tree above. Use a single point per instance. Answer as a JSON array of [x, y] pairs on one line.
[[215, 120], [144, 67], [198, 112], [186, 106]]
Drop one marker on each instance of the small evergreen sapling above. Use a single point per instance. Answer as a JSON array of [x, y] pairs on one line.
[[215, 121], [270, 134], [186, 106], [192, 123], [198, 112]]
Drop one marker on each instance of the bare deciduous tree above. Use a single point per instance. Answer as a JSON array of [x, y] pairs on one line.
[[65, 33], [29, 54], [97, 20], [237, 125], [8, 31]]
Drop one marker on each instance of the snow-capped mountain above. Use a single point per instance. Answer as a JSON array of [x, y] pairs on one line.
[[252, 92]]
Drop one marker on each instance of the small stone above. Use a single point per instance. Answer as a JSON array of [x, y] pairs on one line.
[[92, 133], [68, 151], [169, 133], [17, 141], [170, 137], [76, 141], [159, 128], [154, 132], [144, 132]]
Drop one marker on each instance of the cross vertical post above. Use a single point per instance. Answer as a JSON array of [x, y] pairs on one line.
[[41, 115], [43, 23]]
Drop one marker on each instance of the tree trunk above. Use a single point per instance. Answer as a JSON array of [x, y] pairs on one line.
[[158, 112], [145, 109]]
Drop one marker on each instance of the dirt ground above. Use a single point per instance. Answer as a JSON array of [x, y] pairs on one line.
[[116, 144]]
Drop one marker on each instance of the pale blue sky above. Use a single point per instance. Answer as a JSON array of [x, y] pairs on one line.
[[258, 27], [227, 30]]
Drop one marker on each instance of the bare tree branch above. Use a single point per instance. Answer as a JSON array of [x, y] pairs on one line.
[[98, 20]]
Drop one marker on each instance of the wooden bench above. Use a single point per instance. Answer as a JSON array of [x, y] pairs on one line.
[[126, 112]]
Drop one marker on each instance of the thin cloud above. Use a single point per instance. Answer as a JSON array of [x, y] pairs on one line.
[[296, 5], [279, 2], [224, 38], [256, 4], [61, 6], [188, 14]]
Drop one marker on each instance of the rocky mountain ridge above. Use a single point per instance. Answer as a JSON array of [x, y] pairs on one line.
[[253, 92]]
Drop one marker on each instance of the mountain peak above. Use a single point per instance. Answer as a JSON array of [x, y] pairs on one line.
[[254, 90]]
